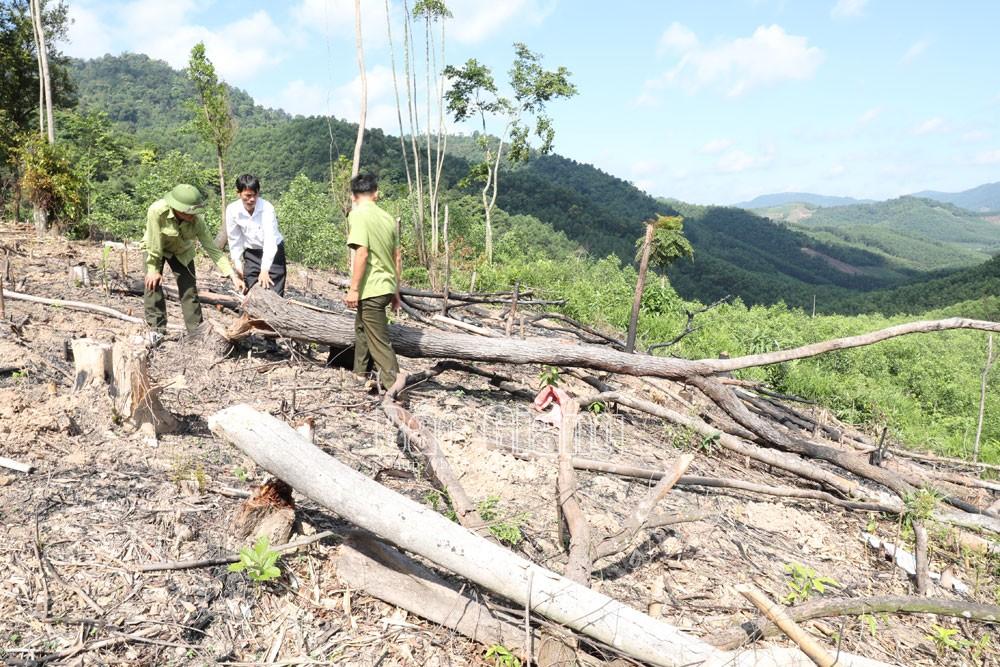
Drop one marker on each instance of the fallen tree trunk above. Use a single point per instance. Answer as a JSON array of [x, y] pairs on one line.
[[295, 321], [825, 608], [74, 305], [383, 572], [277, 448]]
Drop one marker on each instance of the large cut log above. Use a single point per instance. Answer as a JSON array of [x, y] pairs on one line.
[[384, 573], [277, 448], [296, 321]]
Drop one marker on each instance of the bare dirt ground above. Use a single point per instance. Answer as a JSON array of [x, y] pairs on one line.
[[101, 503]]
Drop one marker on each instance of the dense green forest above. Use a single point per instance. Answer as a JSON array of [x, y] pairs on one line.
[[736, 252], [569, 231]]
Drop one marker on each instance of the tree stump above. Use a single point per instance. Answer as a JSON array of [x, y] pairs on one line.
[[79, 275], [135, 397], [92, 362], [269, 512]]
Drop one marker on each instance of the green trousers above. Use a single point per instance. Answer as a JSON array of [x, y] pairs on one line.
[[371, 340], [156, 305]]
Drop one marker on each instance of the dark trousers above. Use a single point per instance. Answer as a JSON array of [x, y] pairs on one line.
[[251, 268], [156, 304], [371, 340]]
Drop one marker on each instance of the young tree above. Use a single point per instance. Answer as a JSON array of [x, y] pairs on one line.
[[433, 11], [474, 93], [663, 243], [212, 120]]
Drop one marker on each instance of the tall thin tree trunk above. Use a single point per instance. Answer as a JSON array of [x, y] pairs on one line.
[[411, 87], [640, 286], [492, 181], [43, 57], [395, 90], [356, 165], [430, 171], [982, 396], [41, 78], [221, 238]]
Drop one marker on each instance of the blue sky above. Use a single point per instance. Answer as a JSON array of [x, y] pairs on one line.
[[706, 102]]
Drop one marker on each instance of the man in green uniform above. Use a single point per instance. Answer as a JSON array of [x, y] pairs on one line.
[[374, 279], [172, 225]]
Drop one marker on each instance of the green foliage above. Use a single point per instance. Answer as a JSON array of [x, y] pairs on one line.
[[597, 407], [48, 178], [668, 241], [212, 119], [805, 582], [920, 505], [259, 562], [946, 639], [501, 656], [507, 530], [549, 377], [312, 225]]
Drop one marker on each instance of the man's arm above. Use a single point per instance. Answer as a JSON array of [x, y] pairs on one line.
[[357, 274], [217, 256], [269, 220], [154, 249]]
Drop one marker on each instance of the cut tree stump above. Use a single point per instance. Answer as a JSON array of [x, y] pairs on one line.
[[92, 362], [269, 512], [135, 396]]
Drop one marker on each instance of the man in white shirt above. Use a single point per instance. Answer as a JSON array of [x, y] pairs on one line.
[[255, 244]]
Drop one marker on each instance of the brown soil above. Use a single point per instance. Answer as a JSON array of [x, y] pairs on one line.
[[101, 502]]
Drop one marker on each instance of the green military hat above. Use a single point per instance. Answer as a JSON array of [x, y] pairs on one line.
[[185, 198]]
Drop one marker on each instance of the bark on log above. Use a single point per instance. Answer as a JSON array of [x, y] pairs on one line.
[[776, 614], [385, 573], [787, 462], [571, 514], [825, 608], [92, 362], [652, 474], [294, 321], [135, 397], [425, 532], [73, 305], [635, 522]]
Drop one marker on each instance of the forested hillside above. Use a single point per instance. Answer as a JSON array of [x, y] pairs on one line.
[[736, 252], [982, 198]]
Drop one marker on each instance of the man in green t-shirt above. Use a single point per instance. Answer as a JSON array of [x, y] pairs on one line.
[[374, 279], [173, 223]]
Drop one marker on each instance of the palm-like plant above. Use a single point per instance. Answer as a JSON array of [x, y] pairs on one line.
[[663, 243]]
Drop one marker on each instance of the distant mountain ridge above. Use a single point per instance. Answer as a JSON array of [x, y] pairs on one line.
[[980, 199], [813, 199], [983, 198]]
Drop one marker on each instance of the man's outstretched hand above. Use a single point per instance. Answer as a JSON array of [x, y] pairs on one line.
[[152, 281]]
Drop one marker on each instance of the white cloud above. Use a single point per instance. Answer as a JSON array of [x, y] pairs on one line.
[[975, 136], [475, 20], [343, 101], [162, 29], [930, 126], [735, 161], [767, 57], [677, 37], [716, 146], [334, 19], [914, 51], [88, 36], [988, 157], [869, 116], [848, 8]]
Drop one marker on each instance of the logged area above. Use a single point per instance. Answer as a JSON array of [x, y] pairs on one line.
[[663, 502]]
